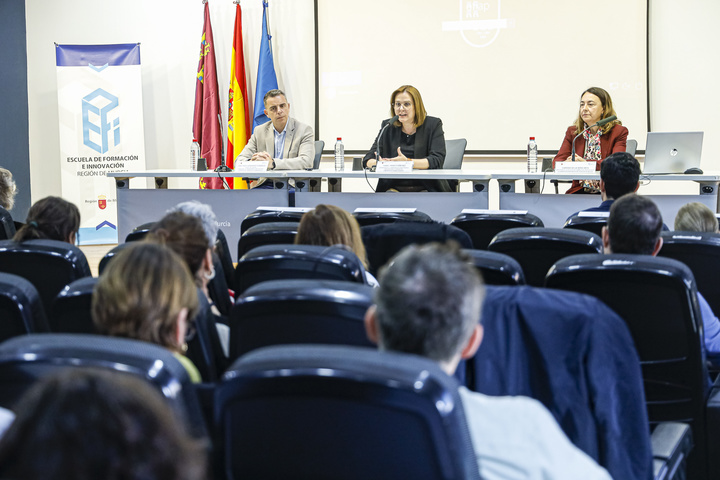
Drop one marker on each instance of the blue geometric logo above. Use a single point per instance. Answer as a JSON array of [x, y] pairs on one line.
[[97, 121]]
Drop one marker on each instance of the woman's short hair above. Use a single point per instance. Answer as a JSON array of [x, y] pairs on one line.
[[204, 213], [185, 235], [141, 293], [328, 225], [696, 217], [420, 113], [607, 107], [51, 218], [7, 189], [89, 424]]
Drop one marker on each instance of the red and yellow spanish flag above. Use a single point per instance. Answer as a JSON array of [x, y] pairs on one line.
[[206, 119], [238, 113]]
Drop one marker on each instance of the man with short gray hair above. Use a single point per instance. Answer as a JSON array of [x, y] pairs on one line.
[[283, 142], [429, 304]]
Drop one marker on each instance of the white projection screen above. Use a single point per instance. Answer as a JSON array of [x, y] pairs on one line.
[[495, 71]]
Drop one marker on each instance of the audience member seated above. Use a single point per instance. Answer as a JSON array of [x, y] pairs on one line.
[[51, 218], [619, 175], [8, 190], [186, 235], [328, 225], [429, 304], [634, 226], [696, 217], [90, 424], [147, 293]]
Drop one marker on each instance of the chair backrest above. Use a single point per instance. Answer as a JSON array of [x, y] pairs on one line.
[[631, 146], [71, 310], [271, 233], [454, 152], [319, 146], [107, 258], [592, 224], [7, 226], [204, 348], [223, 252], [300, 311], [278, 262], [340, 412], [700, 251], [482, 227], [383, 241], [218, 288], [576, 356], [375, 218], [657, 299], [266, 216], [139, 232], [497, 268], [21, 310], [537, 249], [23, 360], [48, 264]]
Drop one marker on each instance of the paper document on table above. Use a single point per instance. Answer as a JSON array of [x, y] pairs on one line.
[[575, 167], [385, 166]]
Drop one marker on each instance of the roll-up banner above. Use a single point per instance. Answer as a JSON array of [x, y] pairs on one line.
[[101, 130]]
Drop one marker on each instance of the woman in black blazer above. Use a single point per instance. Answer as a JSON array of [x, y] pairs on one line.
[[414, 136]]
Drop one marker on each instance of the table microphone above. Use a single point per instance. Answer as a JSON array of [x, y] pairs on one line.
[[600, 123], [377, 140]]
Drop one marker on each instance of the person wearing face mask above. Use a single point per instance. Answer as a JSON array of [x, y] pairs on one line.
[[413, 136], [597, 142]]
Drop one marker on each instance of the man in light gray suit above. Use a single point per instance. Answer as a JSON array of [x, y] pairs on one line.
[[283, 142]]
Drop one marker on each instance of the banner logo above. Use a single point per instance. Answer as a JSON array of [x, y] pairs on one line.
[[480, 22], [98, 122], [102, 202]]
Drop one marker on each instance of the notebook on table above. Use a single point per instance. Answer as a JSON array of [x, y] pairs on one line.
[[672, 152]]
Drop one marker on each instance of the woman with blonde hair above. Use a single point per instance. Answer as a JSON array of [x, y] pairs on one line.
[[696, 217], [597, 142], [328, 225], [8, 190], [147, 293]]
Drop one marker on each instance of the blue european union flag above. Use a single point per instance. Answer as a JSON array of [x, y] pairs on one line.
[[266, 78]]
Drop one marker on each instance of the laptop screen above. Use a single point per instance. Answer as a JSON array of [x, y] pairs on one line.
[[672, 152]]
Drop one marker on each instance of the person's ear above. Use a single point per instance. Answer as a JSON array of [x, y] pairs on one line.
[[371, 326], [181, 326], [658, 246], [637, 186], [207, 262], [473, 342], [606, 239]]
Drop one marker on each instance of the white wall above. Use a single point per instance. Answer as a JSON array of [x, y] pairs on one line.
[[684, 40]]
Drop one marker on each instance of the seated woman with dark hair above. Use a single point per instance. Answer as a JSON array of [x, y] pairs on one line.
[[147, 293], [90, 424], [328, 225], [51, 218]]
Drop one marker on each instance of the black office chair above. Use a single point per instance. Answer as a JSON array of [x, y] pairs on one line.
[[139, 232], [537, 249], [282, 262], [218, 287], [7, 226], [222, 249], [482, 227], [497, 268], [23, 360], [107, 258], [271, 233], [589, 223], [454, 153], [21, 309], [383, 241], [576, 356], [267, 216], [375, 218], [71, 310], [300, 311], [319, 145], [700, 251], [309, 412], [657, 299], [48, 264]]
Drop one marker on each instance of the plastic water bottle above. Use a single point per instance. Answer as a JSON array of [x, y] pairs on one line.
[[532, 155], [339, 155], [194, 154]]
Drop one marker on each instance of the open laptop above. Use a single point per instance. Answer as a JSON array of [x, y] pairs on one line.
[[672, 152]]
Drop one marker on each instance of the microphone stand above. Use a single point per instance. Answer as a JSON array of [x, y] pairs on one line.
[[377, 141], [223, 166]]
